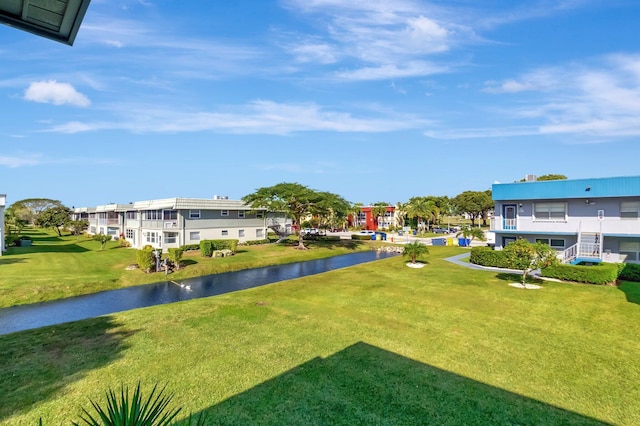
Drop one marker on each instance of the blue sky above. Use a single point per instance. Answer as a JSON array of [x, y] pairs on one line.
[[375, 100]]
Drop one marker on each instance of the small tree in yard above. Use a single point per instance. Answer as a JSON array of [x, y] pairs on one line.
[[102, 239], [525, 256], [415, 250]]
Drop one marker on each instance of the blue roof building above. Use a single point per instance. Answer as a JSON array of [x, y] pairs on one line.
[[591, 220]]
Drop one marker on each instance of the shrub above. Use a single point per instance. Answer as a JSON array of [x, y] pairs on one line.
[[191, 247], [175, 256], [124, 243], [206, 248], [629, 272], [102, 239], [486, 256], [604, 273], [11, 240], [145, 259], [360, 237], [330, 238], [257, 242]]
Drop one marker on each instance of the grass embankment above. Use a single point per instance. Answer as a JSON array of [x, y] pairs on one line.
[[377, 343], [57, 267]]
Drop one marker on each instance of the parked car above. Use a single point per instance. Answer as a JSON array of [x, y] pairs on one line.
[[310, 231], [366, 232], [440, 230]]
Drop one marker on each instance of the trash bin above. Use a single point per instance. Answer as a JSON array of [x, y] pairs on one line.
[[415, 232], [449, 241], [438, 241], [464, 242], [400, 233], [383, 236], [373, 237]]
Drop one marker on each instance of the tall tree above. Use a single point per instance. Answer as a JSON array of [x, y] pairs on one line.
[[378, 210], [297, 201], [424, 210], [473, 203], [29, 209], [54, 217], [548, 177]]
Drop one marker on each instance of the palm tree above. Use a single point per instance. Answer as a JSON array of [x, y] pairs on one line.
[[471, 232], [378, 210], [415, 250]]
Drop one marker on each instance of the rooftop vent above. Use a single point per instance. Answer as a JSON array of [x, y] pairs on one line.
[[220, 197]]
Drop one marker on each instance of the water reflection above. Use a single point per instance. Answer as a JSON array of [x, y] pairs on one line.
[[36, 315]]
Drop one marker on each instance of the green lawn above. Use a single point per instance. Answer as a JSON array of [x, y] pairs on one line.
[[56, 267], [377, 343]]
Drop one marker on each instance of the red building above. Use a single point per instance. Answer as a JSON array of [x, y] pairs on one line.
[[366, 219]]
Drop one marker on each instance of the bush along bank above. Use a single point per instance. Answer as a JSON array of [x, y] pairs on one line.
[[601, 273]]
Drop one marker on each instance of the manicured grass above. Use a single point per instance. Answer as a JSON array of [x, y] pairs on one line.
[[56, 267], [377, 343]]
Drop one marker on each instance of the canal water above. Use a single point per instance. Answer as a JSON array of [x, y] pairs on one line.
[[26, 317]]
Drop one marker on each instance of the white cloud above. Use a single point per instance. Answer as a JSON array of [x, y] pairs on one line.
[[257, 117], [391, 71], [383, 40], [19, 161], [594, 100], [55, 93]]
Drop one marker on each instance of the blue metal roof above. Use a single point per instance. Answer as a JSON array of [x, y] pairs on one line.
[[628, 186]]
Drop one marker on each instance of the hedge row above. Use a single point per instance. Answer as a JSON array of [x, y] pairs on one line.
[[207, 247], [630, 272], [360, 237], [486, 256], [603, 273]]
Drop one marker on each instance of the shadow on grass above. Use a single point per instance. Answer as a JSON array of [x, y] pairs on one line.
[[47, 248], [631, 290], [8, 260], [517, 278], [363, 384], [37, 364]]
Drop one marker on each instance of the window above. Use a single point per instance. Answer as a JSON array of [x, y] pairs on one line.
[[240, 214], [194, 235], [169, 215], [151, 237], [170, 237], [630, 250], [259, 233], [224, 212], [151, 214], [629, 209], [556, 243], [112, 231], [241, 233], [550, 211], [129, 234], [92, 230], [131, 215], [194, 214], [225, 232], [259, 215]]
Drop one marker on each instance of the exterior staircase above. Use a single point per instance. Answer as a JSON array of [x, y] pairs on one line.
[[588, 249]]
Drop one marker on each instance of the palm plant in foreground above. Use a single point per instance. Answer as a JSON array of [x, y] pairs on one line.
[[124, 410], [415, 250]]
